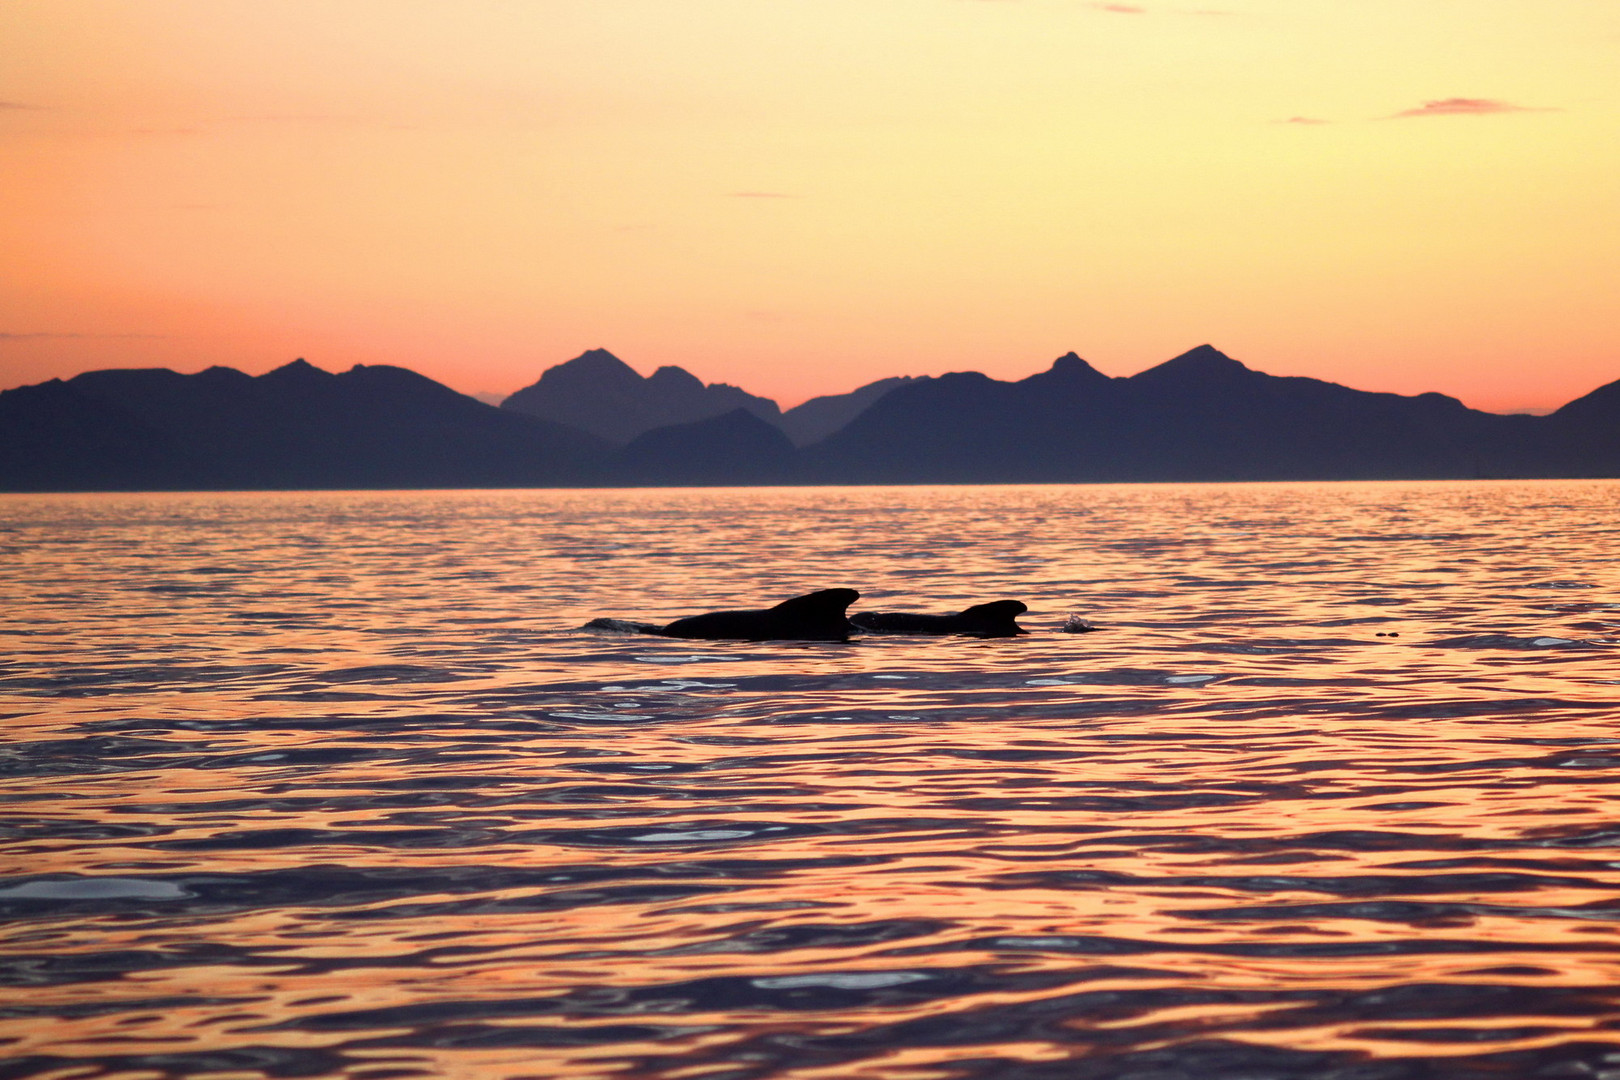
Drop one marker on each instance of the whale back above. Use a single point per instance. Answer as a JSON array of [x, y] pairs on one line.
[[817, 616], [994, 619]]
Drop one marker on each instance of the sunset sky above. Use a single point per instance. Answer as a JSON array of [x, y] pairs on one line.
[[800, 196]]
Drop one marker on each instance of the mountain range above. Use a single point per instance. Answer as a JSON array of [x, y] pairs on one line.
[[599, 393], [594, 421], [295, 427]]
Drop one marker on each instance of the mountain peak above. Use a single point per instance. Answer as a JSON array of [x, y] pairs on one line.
[[595, 364], [299, 369], [1067, 374], [670, 379], [1070, 366], [1205, 357], [1203, 363]]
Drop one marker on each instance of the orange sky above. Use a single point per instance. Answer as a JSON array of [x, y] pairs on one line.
[[799, 196]]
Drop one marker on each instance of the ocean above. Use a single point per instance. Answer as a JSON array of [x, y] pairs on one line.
[[304, 784]]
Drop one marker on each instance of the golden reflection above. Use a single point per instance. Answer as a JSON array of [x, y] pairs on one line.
[[363, 789]]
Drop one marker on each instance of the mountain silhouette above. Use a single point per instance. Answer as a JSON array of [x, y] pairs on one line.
[[53, 438], [1200, 416], [599, 393], [821, 416], [1588, 429], [734, 448], [965, 427], [295, 427], [1600, 408]]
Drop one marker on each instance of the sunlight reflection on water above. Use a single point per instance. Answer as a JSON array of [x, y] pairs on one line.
[[304, 784]]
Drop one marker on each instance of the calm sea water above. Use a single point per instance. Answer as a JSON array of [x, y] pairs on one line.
[[331, 784]]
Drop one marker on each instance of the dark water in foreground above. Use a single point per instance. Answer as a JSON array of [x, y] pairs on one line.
[[330, 784]]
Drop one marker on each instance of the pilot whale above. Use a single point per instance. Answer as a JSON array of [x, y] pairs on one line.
[[817, 616], [994, 619]]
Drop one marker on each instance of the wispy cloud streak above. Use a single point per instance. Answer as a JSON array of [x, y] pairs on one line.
[[1461, 106]]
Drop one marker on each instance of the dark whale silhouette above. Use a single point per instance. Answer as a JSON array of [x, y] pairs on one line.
[[994, 619], [817, 616]]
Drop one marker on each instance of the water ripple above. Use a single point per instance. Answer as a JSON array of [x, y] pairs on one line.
[[334, 785]]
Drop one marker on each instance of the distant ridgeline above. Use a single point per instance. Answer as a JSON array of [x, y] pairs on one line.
[[595, 421]]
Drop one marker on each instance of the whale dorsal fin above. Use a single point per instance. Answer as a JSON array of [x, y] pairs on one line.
[[826, 603]]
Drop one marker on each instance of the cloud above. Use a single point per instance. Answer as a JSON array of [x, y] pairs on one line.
[[1308, 120], [18, 105], [759, 195], [1462, 106], [1121, 9]]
